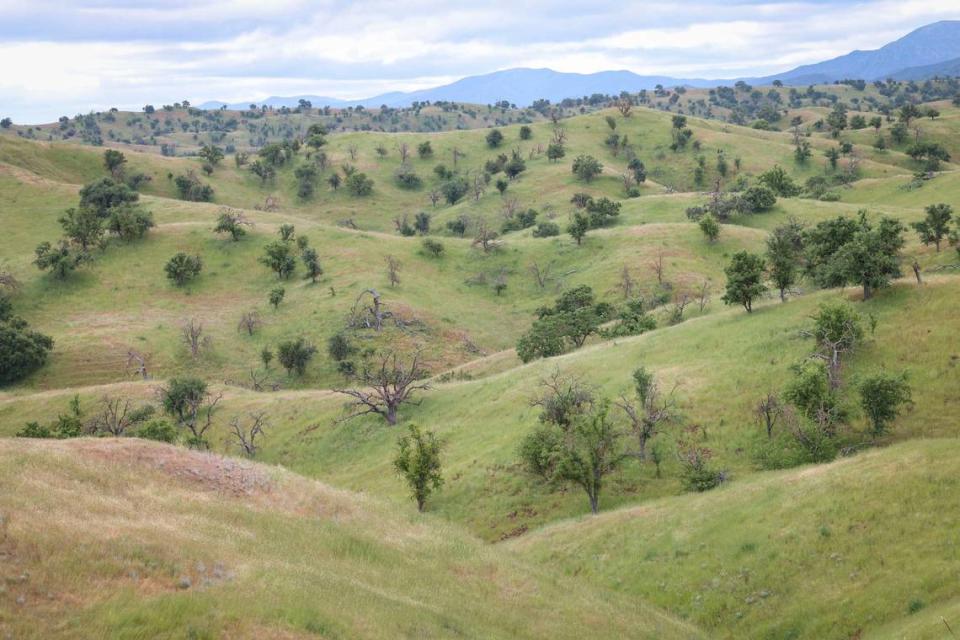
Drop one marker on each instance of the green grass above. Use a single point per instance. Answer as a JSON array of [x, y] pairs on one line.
[[722, 359], [99, 536], [483, 420], [827, 551]]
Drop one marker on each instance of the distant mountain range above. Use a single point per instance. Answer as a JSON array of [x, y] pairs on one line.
[[923, 53]]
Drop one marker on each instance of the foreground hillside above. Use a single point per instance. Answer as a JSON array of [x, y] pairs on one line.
[[126, 539], [860, 548]]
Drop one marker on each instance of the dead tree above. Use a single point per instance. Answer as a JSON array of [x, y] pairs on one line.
[[657, 266], [434, 195], [916, 272], [541, 275], [479, 187], [703, 295], [352, 150], [114, 418], [369, 315], [485, 237], [245, 434], [680, 302], [250, 321], [559, 135], [627, 284], [769, 410], [404, 150], [388, 382], [509, 208], [624, 106], [457, 154], [192, 333], [393, 270], [138, 362], [8, 281]]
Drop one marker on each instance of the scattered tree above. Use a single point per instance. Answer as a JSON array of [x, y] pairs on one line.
[[418, 461]]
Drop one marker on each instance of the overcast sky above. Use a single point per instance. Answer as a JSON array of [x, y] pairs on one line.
[[71, 56]]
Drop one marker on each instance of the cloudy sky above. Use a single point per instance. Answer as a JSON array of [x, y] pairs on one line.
[[70, 56]]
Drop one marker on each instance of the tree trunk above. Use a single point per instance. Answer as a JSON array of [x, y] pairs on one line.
[[594, 502], [783, 295], [391, 414], [866, 291]]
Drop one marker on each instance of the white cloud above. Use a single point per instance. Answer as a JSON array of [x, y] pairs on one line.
[[100, 53]]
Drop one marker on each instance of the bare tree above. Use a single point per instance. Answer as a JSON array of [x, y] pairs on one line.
[[250, 321], [703, 295], [389, 381], [541, 274], [769, 409], [434, 195], [627, 284], [352, 151], [680, 302], [393, 270], [479, 187], [404, 150], [138, 362], [204, 405], [624, 106], [8, 281], [114, 417], [657, 266], [192, 333], [457, 154], [369, 315], [916, 272], [509, 207], [559, 135], [245, 433], [485, 236]]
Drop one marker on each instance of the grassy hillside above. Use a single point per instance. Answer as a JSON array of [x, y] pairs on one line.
[[863, 546], [125, 539], [483, 420], [833, 551]]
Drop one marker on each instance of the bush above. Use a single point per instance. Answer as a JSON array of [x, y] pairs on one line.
[[22, 351], [454, 189], [159, 430], [546, 230], [433, 247], [182, 268], [294, 355], [190, 188], [359, 184], [339, 347], [407, 178]]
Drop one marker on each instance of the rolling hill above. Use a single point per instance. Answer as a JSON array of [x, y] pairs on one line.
[[127, 539], [119, 537]]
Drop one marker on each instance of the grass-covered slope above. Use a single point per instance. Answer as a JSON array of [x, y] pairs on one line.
[[831, 551], [722, 363], [126, 539]]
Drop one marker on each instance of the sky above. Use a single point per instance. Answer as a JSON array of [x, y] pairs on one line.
[[63, 57]]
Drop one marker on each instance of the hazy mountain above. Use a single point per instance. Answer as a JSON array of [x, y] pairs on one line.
[[922, 53], [929, 45], [943, 69]]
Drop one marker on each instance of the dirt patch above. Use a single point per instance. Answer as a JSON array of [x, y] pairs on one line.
[[209, 471]]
